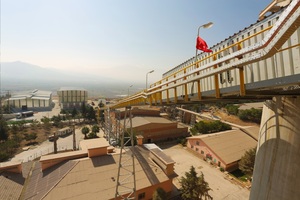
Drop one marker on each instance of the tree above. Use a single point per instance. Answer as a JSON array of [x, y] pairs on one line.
[[95, 129], [194, 187], [91, 115], [74, 112], [159, 194], [246, 164], [3, 129], [83, 110], [85, 130]]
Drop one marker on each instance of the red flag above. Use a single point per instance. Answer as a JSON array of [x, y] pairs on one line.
[[201, 45]]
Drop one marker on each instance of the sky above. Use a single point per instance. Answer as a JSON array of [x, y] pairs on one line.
[[119, 39]]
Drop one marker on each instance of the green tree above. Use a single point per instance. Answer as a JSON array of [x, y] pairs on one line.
[[159, 194], [205, 127], [194, 187], [83, 110], [95, 129], [246, 164], [92, 135], [85, 130], [3, 129], [74, 113], [91, 115]]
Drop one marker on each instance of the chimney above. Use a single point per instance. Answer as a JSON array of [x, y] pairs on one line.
[[139, 139]]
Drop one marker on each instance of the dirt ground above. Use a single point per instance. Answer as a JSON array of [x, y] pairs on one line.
[[233, 119]]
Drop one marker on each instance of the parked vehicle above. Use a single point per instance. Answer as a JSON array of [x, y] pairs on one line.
[[24, 114]]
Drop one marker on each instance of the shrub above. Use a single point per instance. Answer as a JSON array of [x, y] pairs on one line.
[[232, 109], [253, 115], [3, 156]]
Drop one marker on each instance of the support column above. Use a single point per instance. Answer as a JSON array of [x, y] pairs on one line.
[[276, 172]]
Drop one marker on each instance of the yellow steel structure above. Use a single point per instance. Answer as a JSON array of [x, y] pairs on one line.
[[273, 37]]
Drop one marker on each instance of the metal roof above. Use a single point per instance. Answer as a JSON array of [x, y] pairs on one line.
[[140, 121], [32, 94], [71, 88]]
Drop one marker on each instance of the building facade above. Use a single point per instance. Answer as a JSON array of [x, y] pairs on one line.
[[71, 97]]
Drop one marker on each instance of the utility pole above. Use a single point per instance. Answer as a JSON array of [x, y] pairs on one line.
[[74, 139]]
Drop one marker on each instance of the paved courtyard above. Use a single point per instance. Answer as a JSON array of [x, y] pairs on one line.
[[222, 188]]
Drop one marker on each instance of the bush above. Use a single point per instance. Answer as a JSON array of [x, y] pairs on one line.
[[3, 156], [232, 109], [210, 127], [182, 141], [253, 115]]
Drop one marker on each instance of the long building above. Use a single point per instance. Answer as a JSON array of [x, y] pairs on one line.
[[29, 100]]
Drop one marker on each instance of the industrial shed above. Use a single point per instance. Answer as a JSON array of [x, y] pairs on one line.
[[30, 100]]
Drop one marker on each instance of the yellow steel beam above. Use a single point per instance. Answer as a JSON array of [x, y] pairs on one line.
[[242, 82], [199, 90]]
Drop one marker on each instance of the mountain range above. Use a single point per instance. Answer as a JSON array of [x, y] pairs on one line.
[[18, 76]]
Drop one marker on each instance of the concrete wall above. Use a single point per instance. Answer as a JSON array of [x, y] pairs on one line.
[[276, 172]]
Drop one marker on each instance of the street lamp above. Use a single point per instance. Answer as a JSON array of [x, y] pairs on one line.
[[128, 89], [208, 25], [147, 78]]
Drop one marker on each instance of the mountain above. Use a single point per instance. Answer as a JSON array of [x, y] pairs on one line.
[[25, 71], [18, 76]]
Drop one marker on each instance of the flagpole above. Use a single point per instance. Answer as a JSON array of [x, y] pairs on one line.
[[208, 25]]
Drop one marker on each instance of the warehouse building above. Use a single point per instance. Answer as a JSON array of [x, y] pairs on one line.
[[72, 97], [30, 100], [224, 149]]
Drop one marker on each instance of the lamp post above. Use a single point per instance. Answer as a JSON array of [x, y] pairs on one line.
[[208, 25], [128, 89], [147, 78]]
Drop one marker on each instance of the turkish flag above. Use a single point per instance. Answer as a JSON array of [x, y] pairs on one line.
[[201, 45]]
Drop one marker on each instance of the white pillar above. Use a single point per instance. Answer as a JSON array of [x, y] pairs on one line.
[[277, 164]]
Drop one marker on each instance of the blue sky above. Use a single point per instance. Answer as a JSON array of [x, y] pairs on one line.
[[121, 39]]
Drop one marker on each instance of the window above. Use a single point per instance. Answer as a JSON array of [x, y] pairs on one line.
[[197, 149], [197, 143], [142, 196], [202, 152]]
